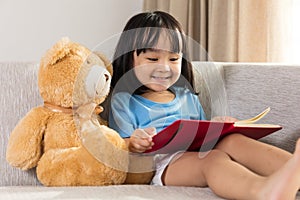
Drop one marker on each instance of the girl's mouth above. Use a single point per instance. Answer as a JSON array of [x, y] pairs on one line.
[[160, 78]]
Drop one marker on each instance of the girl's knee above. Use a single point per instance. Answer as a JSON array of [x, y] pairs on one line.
[[215, 155], [207, 158], [230, 141]]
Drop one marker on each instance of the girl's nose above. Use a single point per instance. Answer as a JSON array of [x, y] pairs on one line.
[[163, 67]]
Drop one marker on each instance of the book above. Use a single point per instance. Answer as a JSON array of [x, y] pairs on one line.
[[202, 135]]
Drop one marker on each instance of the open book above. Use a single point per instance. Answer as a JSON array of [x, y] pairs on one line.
[[195, 135]]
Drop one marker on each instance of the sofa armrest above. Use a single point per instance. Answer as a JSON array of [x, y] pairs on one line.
[[20, 93]]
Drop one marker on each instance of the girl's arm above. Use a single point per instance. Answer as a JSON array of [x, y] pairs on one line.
[[123, 120]]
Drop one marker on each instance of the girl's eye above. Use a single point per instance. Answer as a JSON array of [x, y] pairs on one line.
[[174, 59], [153, 59]]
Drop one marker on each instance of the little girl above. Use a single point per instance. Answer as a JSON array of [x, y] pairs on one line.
[[152, 87]]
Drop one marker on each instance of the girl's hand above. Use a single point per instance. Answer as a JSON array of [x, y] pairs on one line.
[[224, 119], [141, 140]]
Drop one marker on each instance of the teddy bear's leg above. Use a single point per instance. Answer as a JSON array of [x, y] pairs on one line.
[[75, 166], [140, 167]]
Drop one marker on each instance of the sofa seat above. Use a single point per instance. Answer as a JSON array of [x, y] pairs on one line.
[[122, 192]]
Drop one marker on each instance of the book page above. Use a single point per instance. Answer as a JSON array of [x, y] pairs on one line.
[[254, 119], [257, 125]]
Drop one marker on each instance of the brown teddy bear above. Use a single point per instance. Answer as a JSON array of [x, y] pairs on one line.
[[63, 138]]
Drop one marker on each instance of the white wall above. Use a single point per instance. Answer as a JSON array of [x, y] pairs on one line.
[[28, 28]]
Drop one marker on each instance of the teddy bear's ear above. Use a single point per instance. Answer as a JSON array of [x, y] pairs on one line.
[[107, 63], [58, 51]]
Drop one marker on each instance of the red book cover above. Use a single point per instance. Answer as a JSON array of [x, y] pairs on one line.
[[201, 135]]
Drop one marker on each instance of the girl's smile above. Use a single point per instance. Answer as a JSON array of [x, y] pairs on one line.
[[161, 78]]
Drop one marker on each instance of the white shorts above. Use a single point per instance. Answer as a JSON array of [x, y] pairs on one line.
[[161, 161]]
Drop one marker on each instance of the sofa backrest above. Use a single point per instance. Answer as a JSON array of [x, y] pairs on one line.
[[251, 88]]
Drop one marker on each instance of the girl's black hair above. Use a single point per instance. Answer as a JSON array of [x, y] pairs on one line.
[[142, 32]]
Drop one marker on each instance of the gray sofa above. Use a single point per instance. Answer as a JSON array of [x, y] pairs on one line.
[[237, 89]]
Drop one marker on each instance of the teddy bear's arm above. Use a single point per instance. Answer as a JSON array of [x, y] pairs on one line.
[[25, 143]]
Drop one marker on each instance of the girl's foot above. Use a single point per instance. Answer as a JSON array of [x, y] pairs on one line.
[[285, 183]]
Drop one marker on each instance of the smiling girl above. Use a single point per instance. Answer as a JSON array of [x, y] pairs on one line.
[[153, 87]]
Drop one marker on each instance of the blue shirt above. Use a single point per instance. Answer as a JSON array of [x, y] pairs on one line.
[[130, 112]]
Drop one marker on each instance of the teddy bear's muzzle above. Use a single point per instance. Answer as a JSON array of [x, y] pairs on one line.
[[97, 82]]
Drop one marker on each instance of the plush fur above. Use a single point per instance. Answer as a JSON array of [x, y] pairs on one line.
[[63, 138]]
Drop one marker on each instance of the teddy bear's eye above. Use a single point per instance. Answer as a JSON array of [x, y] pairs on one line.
[[88, 62]]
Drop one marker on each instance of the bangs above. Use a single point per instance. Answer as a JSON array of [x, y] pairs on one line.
[[151, 36]]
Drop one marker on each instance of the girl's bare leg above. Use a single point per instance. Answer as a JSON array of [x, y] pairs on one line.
[[231, 180], [225, 177], [263, 159]]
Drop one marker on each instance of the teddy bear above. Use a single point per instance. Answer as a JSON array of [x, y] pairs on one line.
[[64, 138]]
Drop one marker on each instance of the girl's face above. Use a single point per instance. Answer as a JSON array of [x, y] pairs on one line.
[[157, 69]]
